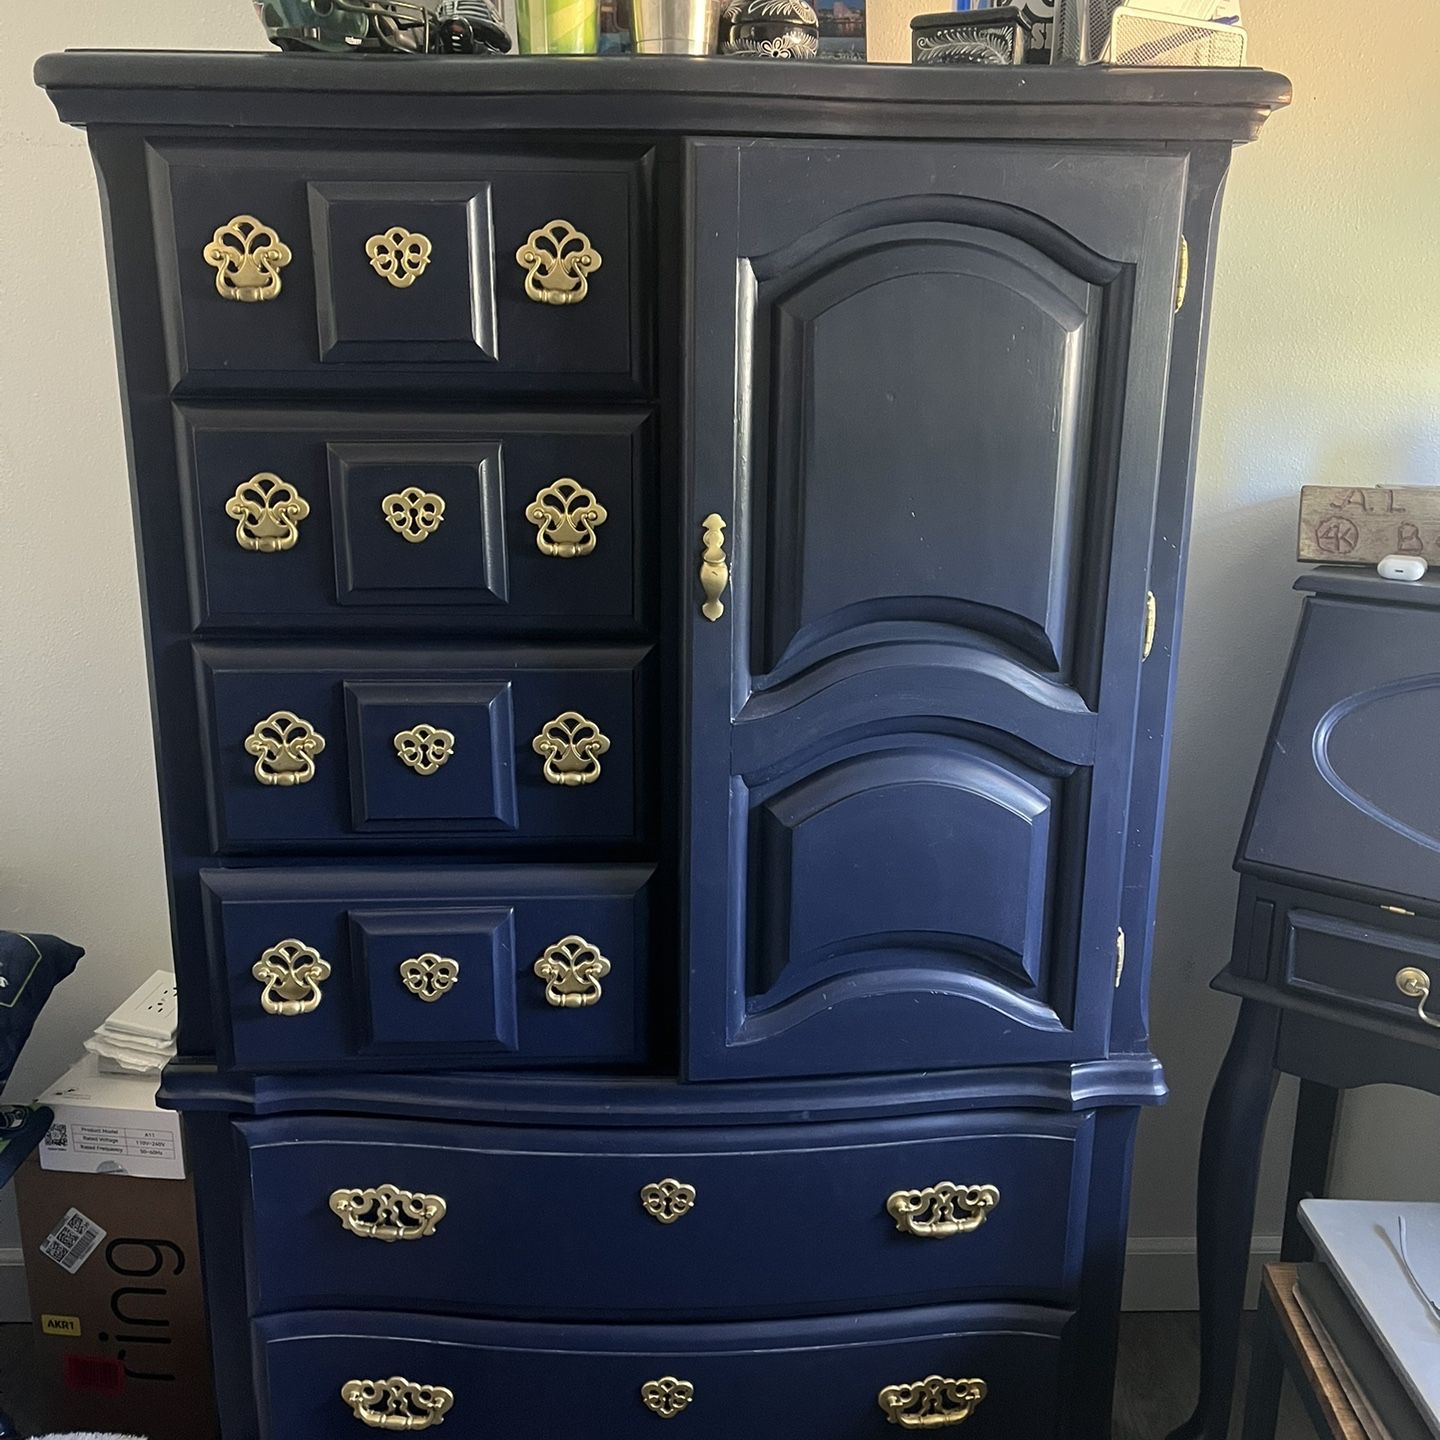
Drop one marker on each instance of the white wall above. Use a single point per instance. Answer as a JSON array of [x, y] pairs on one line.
[[1325, 366]]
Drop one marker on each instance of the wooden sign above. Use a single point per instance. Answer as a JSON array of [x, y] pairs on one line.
[[1350, 525]]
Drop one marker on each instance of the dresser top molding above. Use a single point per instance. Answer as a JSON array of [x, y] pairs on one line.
[[643, 95]]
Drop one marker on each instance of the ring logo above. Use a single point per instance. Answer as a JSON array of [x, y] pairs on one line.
[[66, 1325]]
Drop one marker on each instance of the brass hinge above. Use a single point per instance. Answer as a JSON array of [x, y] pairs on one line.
[[1151, 610], [1182, 274], [1397, 910], [1119, 955]]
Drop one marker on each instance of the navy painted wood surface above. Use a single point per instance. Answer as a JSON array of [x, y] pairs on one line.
[[860, 848]]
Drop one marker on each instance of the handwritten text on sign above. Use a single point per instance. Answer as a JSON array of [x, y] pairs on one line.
[[1351, 525]]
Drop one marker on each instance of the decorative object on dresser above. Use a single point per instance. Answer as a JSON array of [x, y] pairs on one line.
[[1337, 931], [668, 940], [995, 36], [1360, 525]]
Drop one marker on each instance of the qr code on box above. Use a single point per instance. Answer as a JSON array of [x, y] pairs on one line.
[[73, 1241], [57, 1137]]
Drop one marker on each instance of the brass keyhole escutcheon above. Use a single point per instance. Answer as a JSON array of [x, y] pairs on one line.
[[425, 748], [667, 1201], [399, 256], [429, 976]]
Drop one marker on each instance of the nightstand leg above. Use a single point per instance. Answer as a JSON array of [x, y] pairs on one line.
[[1225, 1209], [1310, 1153], [1267, 1375]]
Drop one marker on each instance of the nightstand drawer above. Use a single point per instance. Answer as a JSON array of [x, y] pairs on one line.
[[386, 968], [516, 272], [627, 1224], [424, 519], [326, 748], [995, 1370]]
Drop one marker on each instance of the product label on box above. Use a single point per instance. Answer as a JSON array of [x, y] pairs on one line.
[[67, 1326], [73, 1241]]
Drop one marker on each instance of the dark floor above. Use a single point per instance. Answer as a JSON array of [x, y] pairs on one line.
[[1159, 1358]]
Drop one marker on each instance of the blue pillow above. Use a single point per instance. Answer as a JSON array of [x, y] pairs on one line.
[[31, 966]]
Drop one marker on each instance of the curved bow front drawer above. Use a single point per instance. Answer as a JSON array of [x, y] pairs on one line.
[[343, 271], [481, 967], [428, 520], [336, 748], [768, 1220], [993, 1370]]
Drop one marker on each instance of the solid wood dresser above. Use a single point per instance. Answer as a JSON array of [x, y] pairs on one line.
[[661, 581]]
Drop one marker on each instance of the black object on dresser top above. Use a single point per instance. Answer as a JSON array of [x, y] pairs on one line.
[[1337, 930], [661, 580]]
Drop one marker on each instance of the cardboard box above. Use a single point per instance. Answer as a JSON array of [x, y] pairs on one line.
[[113, 1266], [110, 1124]]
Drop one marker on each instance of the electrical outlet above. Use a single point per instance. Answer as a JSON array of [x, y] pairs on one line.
[[151, 1011]]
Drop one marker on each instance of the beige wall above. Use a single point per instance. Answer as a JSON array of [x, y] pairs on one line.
[[1325, 366]]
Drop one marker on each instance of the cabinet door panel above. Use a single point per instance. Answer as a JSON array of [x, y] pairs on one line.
[[911, 728]]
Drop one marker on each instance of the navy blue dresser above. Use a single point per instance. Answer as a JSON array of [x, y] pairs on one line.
[[661, 580]]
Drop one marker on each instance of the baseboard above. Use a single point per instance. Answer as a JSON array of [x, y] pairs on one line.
[[14, 1302], [1160, 1271]]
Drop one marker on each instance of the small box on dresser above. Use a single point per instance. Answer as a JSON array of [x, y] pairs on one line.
[[660, 619]]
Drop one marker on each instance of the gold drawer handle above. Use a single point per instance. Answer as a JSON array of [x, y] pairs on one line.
[[1416, 984], [429, 976], [425, 748], [572, 747], [399, 256], [247, 256], [572, 970], [668, 1200], [414, 514], [667, 1396], [292, 974], [940, 1211], [930, 1403], [714, 572], [284, 747], [397, 1403], [558, 261], [566, 516], [267, 512], [387, 1213]]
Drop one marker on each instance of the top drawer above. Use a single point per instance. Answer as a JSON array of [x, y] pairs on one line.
[[329, 269]]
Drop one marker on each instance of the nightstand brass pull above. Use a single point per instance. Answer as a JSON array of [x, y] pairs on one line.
[[714, 572], [572, 970], [1416, 984], [572, 747], [267, 512], [930, 1403], [247, 257], [387, 1213], [939, 1211], [397, 1403], [558, 261], [284, 747], [292, 974], [566, 516]]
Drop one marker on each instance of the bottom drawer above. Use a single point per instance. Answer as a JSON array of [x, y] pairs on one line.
[[332, 1375]]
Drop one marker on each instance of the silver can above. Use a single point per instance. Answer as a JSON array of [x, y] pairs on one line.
[[674, 27]]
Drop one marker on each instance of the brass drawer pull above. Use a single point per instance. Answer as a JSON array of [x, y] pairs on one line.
[[572, 747], [429, 976], [399, 256], [414, 514], [387, 1213], [267, 512], [292, 974], [425, 748], [247, 256], [558, 261], [572, 970], [397, 1403], [668, 1200], [667, 1397], [284, 747], [714, 572], [930, 1403], [1416, 984], [566, 516], [940, 1211]]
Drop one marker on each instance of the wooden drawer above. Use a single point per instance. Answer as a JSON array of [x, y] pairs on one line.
[[336, 230], [809, 1380], [1352, 955], [367, 968], [490, 748], [334, 519], [780, 1219]]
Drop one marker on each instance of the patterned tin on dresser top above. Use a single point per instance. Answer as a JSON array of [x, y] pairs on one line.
[[660, 584]]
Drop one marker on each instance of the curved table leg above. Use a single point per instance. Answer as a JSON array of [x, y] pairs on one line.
[[1225, 1209]]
